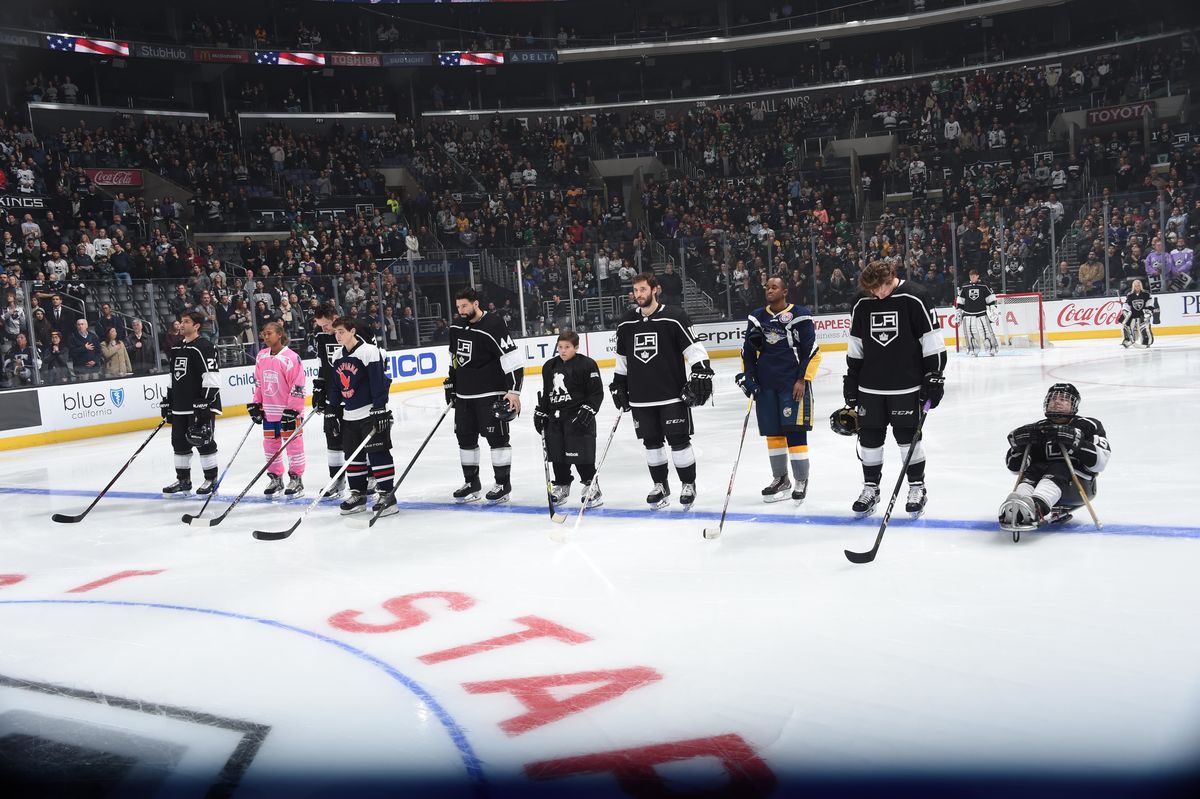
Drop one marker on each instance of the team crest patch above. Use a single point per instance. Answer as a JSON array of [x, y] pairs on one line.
[[179, 368], [973, 294], [785, 317], [271, 384], [772, 336], [885, 326], [787, 413], [463, 352], [645, 346]]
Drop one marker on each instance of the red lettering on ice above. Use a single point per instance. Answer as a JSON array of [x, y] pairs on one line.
[[537, 627], [112, 578], [10, 579], [404, 609]]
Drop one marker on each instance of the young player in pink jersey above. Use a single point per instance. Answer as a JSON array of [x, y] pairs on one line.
[[277, 403]]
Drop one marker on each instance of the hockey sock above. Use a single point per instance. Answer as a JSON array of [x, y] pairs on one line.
[[777, 454], [1047, 492], [469, 458], [872, 459], [356, 476], [656, 460], [336, 459], [916, 466], [587, 471], [209, 464], [183, 465], [798, 454], [685, 463], [562, 473], [383, 469], [502, 463]]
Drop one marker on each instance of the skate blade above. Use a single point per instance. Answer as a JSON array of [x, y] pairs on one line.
[[798, 502], [780, 497], [354, 511], [686, 505], [915, 514], [392, 511], [662, 503], [498, 500], [595, 503], [467, 498], [862, 514], [179, 495]]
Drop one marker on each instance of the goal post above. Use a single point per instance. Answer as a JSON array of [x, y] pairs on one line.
[[1020, 322]]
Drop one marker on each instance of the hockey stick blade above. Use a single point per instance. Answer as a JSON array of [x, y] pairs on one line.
[[712, 532], [861, 557], [263, 535], [196, 521], [63, 518]]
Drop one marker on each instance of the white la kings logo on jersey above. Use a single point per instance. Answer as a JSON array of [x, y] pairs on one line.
[[333, 351], [972, 294], [463, 351], [179, 369], [885, 326], [645, 346]]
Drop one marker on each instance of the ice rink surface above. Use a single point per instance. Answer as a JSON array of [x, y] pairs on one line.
[[460, 649]]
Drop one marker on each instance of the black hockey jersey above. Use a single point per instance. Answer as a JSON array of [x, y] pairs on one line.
[[359, 382], [567, 385], [1089, 459], [194, 375], [895, 341], [328, 351], [1139, 304], [651, 352], [781, 348], [484, 359], [974, 299]]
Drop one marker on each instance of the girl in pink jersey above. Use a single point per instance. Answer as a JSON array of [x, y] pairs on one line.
[[277, 403]]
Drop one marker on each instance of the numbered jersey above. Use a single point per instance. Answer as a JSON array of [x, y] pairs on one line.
[[1089, 459], [484, 359], [651, 352], [974, 299], [194, 375], [895, 341]]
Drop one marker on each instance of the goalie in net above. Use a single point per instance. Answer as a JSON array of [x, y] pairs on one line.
[[976, 312], [987, 321]]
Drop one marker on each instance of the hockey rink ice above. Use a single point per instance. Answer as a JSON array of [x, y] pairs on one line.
[[458, 651]]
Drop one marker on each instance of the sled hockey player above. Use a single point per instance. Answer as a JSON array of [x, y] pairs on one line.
[[358, 395], [894, 364], [1137, 317], [653, 341], [1046, 493], [780, 358], [193, 399], [277, 403], [572, 393], [975, 312], [484, 386]]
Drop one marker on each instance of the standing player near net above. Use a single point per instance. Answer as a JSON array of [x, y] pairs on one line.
[[192, 400], [1137, 316], [780, 358], [894, 364], [325, 343], [653, 341], [572, 393], [484, 386], [359, 394], [976, 308], [277, 403]]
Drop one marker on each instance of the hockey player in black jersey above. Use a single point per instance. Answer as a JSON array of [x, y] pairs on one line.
[[1047, 493], [894, 364], [358, 393], [327, 348], [653, 341], [975, 307], [1137, 317], [192, 400], [780, 358], [484, 386], [572, 393]]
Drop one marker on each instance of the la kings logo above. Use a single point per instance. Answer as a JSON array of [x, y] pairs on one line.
[[645, 346], [463, 351], [333, 351], [972, 294], [179, 369], [885, 326]]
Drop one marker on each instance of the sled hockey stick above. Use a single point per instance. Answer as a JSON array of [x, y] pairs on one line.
[[1082, 494], [868, 556], [715, 532], [221, 479], [63, 518], [263, 535], [360, 523], [559, 534], [195, 521]]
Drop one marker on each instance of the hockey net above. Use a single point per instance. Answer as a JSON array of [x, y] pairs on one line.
[[1020, 321]]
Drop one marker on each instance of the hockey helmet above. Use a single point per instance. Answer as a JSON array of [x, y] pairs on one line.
[[844, 421], [199, 430], [1061, 391], [502, 411]]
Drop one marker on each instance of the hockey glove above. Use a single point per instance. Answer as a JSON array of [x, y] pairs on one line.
[[620, 395], [850, 390], [200, 430], [699, 386], [201, 407], [1068, 438], [381, 421], [287, 422], [584, 422], [1025, 435], [958, 318], [164, 407], [320, 397], [933, 387], [333, 425], [448, 387], [541, 415], [746, 383], [256, 412]]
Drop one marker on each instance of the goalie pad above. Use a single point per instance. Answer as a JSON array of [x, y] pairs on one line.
[[1019, 513]]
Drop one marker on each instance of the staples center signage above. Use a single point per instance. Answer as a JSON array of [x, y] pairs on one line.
[[122, 178], [1116, 114]]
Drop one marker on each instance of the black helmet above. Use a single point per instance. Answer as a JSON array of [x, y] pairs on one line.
[[844, 421], [502, 411], [1062, 391]]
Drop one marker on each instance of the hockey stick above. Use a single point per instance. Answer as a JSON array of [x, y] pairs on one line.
[[220, 479], [867, 557], [559, 534], [361, 523], [196, 521], [715, 532], [1082, 494], [555, 516], [63, 518], [263, 535]]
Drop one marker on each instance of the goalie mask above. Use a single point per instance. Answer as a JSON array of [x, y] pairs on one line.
[[1062, 402]]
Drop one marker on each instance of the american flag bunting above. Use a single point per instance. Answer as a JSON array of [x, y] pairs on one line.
[[283, 58], [78, 44], [463, 59]]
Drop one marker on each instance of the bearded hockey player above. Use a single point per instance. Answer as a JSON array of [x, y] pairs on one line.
[[192, 401]]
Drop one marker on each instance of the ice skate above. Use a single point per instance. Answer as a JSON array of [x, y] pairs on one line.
[[800, 491], [559, 493], [355, 502], [335, 490], [180, 488], [274, 489], [469, 492], [594, 499], [865, 504], [915, 506], [687, 495], [659, 497], [1059, 515], [500, 493], [778, 489], [385, 505], [295, 486], [208, 486]]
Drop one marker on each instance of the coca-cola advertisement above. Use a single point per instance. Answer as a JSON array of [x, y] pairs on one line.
[[1089, 314], [117, 178]]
